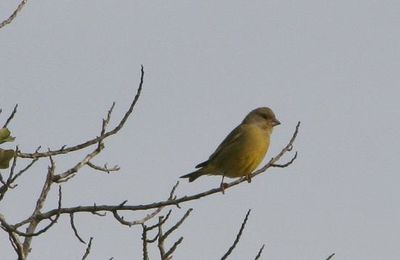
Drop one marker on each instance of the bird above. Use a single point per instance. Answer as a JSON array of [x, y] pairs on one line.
[[242, 150]]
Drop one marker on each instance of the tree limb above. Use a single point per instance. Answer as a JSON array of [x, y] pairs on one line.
[[95, 140], [225, 256], [13, 15]]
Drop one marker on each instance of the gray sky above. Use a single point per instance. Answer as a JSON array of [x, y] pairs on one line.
[[333, 65]]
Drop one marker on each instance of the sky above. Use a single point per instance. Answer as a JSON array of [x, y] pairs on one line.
[[333, 65]]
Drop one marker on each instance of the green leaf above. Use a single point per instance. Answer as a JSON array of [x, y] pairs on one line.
[[5, 136], [5, 157]]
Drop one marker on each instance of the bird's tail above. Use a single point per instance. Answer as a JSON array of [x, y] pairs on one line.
[[196, 174]]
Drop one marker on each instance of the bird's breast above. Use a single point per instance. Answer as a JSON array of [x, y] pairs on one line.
[[247, 153]]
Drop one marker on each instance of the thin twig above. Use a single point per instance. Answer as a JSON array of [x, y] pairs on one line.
[[12, 113], [8, 184], [15, 242], [331, 256], [24, 169], [148, 216], [164, 219], [105, 168], [145, 242], [225, 256], [259, 252], [175, 227], [95, 140], [13, 15], [89, 246], [285, 164], [75, 229], [168, 254], [70, 173], [163, 236]]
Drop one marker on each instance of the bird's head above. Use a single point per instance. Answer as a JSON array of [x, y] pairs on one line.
[[263, 116]]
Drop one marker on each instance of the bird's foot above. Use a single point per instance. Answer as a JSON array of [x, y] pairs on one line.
[[248, 178], [223, 186]]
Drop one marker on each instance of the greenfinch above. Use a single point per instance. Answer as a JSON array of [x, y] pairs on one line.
[[242, 150]]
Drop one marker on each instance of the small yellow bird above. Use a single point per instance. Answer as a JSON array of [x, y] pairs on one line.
[[242, 150]]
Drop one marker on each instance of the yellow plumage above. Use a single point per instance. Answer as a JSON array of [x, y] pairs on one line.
[[242, 150]]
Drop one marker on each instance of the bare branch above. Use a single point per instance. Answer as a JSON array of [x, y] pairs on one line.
[[107, 119], [148, 216], [160, 241], [52, 221], [104, 168], [145, 242], [24, 169], [33, 223], [164, 219], [95, 140], [16, 244], [28, 235], [12, 113], [172, 229], [136, 222], [13, 15], [74, 228], [87, 252], [225, 256], [331, 256], [70, 173], [8, 184], [176, 201], [285, 164], [259, 252], [162, 237], [171, 194], [168, 255]]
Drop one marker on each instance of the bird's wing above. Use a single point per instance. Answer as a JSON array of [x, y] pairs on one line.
[[227, 142]]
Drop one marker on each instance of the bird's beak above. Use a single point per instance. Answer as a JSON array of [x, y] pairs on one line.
[[276, 122]]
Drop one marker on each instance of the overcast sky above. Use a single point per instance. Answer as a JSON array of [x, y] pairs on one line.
[[333, 65]]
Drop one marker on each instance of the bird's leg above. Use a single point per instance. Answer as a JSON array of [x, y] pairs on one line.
[[222, 185], [248, 177]]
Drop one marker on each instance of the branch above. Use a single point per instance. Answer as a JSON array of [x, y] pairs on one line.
[[12, 113], [144, 242], [285, 164], [95, 140], [331, 256], [104, 168], [33, 221], [8, 184], [13, 15], [87, 252], [16, 244], [225, 256], [175, 227], [168, 254], [65, 176], [148, 216], [162, 237], [52, 221], [259, 252], [74, 228], [168, 202]]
